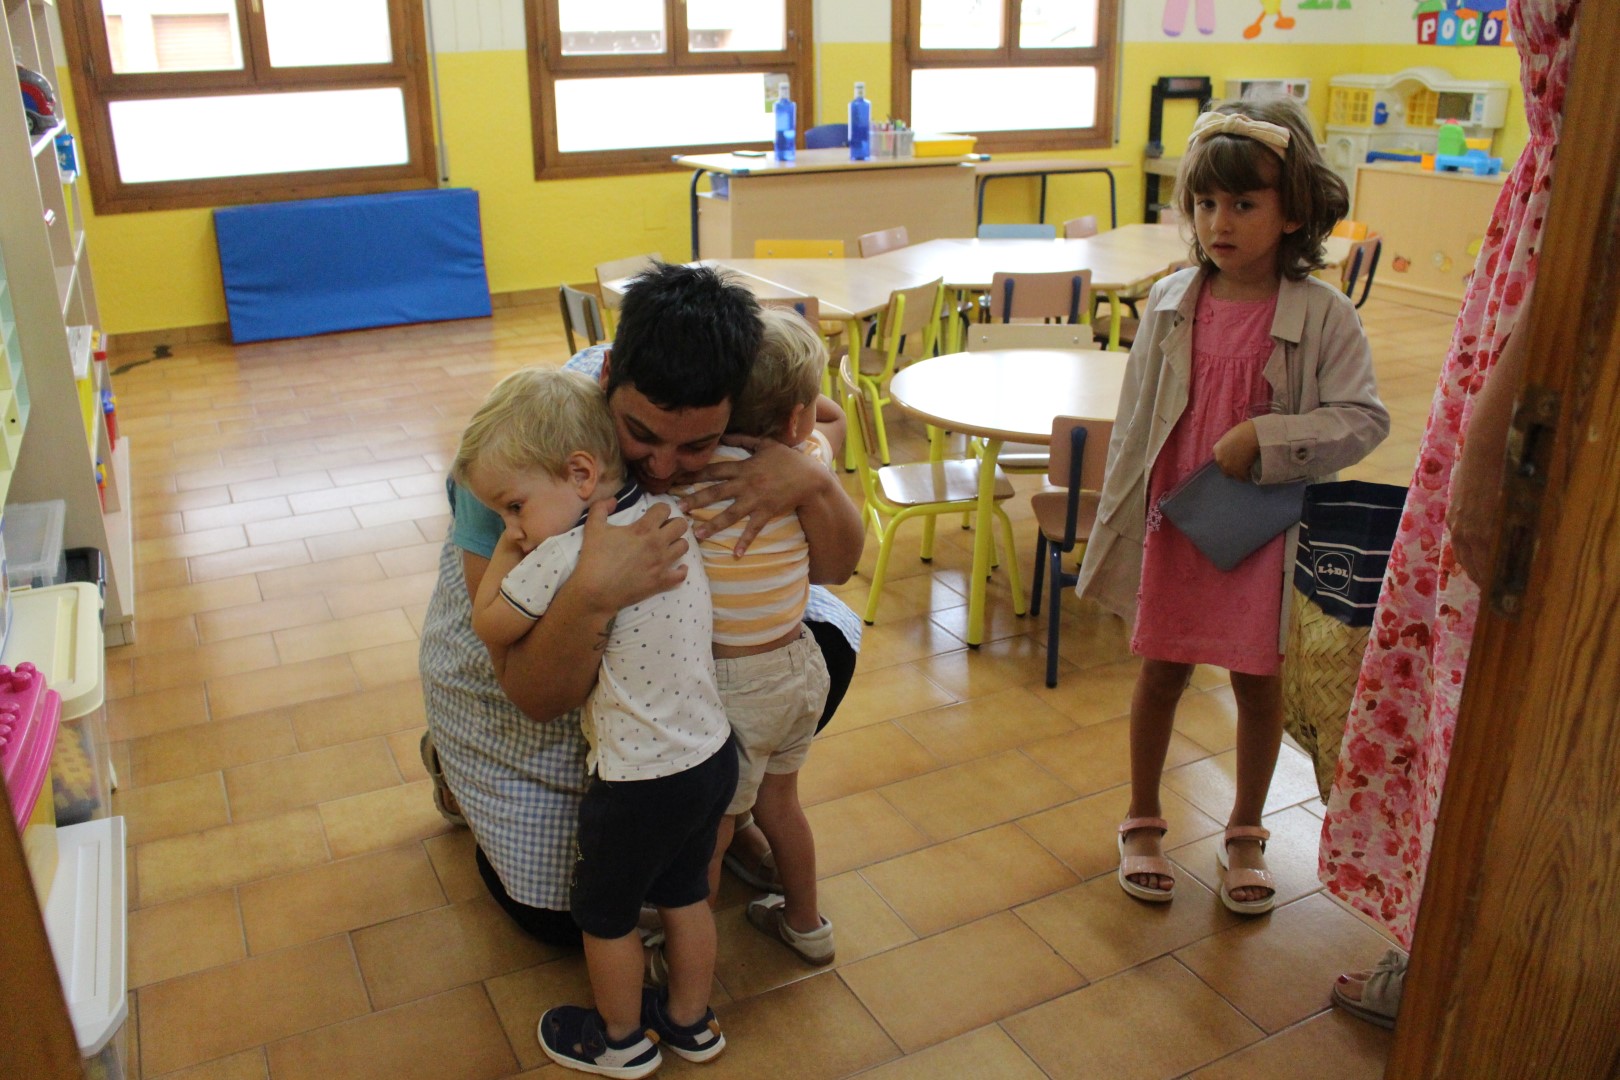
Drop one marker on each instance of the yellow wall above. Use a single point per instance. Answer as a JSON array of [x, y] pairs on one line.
[[161, 270]]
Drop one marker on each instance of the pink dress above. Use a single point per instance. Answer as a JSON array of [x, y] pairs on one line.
[[1397, 740], [1188, 611]]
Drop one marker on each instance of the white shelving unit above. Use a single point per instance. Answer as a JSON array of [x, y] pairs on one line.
[[50, 397]]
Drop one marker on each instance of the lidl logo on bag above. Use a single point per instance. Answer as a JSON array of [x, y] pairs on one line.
[[1332, 571]]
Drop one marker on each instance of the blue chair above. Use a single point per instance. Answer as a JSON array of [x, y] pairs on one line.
[[1017, 232], [826, 136]]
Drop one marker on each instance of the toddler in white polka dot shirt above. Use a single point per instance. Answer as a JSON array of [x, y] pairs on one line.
[[540, 452]]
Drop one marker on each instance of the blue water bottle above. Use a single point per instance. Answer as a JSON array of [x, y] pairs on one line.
[[787, 115], [860, 125]]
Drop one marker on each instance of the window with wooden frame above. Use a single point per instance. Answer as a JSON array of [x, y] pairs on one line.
[[618, 87], [213, 102], [1018, 74]]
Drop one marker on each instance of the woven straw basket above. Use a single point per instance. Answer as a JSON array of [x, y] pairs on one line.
[[1319, 679]]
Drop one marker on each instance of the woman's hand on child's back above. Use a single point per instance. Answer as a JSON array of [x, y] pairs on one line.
[[1237, 450], [771, 482], [620, 565]]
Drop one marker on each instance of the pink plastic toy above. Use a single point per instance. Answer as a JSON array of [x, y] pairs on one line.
[[29, 714]]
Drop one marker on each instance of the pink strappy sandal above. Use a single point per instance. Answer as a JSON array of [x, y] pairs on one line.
[[1242, 878], [1144, 864]]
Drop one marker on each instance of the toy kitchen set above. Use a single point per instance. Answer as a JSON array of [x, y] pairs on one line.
[[1415, 149]]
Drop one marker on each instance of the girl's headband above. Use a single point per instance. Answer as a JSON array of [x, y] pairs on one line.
[[1214, 123]]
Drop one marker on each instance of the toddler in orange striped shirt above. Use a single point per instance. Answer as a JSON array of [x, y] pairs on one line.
[[773, 680]]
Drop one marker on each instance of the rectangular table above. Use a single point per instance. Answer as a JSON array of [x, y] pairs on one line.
[[824, 195], [988, 170]]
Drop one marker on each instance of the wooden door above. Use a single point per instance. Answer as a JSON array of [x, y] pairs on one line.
[[1516, 964]]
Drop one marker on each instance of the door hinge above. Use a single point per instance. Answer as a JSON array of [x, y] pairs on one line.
[[1529, 458]]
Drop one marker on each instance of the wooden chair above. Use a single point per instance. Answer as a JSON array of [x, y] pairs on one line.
[[908, 329], [1363, 257], [1081, 227], [798, 249], [1064, 514], [618, 269], [1017, 231], [1059, 296], [581, 314], [876, 243], [894, 494]]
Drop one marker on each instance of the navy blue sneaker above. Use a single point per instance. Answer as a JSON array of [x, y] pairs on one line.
[[575, 1038], [702, 1041]]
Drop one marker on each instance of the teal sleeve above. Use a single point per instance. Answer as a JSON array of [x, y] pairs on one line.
[[474, 527]]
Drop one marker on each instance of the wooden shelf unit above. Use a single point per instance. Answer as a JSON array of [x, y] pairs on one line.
[[50, 295]]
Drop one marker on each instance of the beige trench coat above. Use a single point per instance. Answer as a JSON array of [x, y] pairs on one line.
[[1326, 416]]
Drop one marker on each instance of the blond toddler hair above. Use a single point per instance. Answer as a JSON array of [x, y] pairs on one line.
[[535, 418], [787, 373]]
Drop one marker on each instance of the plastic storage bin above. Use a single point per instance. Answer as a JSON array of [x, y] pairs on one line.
[[58, 629], [33, 538], [29, 715]]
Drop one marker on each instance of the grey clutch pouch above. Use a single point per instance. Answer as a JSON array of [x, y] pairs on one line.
[[1228, 520]]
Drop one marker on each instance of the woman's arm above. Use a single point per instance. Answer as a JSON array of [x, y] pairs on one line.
[[777, 480], [552, 669], [1476, 482]]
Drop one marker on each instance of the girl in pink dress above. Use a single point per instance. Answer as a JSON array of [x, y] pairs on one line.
[[1247, 360], [1397, 739]]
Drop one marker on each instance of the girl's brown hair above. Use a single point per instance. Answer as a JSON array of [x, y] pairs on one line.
[[1310, 192]]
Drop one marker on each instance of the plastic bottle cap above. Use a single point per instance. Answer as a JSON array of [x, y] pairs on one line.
[[860, 89]]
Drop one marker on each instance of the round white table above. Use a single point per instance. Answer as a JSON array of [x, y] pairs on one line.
[[1007, 395]]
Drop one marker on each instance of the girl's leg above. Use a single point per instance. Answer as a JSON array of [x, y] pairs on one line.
[[1259, 737], [1159, 686]]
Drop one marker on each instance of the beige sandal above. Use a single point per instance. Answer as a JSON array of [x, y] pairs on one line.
[[1145, 864], [1380, 991], [1243, 878]]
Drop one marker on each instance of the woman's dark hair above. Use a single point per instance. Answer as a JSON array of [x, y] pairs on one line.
[[687, 337], [1310, 192]]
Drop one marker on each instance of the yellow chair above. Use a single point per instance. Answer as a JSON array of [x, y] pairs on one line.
[[798, 249], [907, 329], [1350, 230], [897, 493], [618, 269], [1065, 513], [581, 314]]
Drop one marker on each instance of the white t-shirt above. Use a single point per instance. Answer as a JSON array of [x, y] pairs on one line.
[[655, 710]]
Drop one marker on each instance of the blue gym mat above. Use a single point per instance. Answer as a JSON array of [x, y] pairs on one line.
[[314, 266]]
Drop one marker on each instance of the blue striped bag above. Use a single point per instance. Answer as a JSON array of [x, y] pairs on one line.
[[1345, 535]]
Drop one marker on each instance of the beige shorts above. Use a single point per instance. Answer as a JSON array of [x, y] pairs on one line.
[[773, 701]]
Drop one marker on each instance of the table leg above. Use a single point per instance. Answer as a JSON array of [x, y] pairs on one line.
[[984, 541], [852, 331], [1114, 308]]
